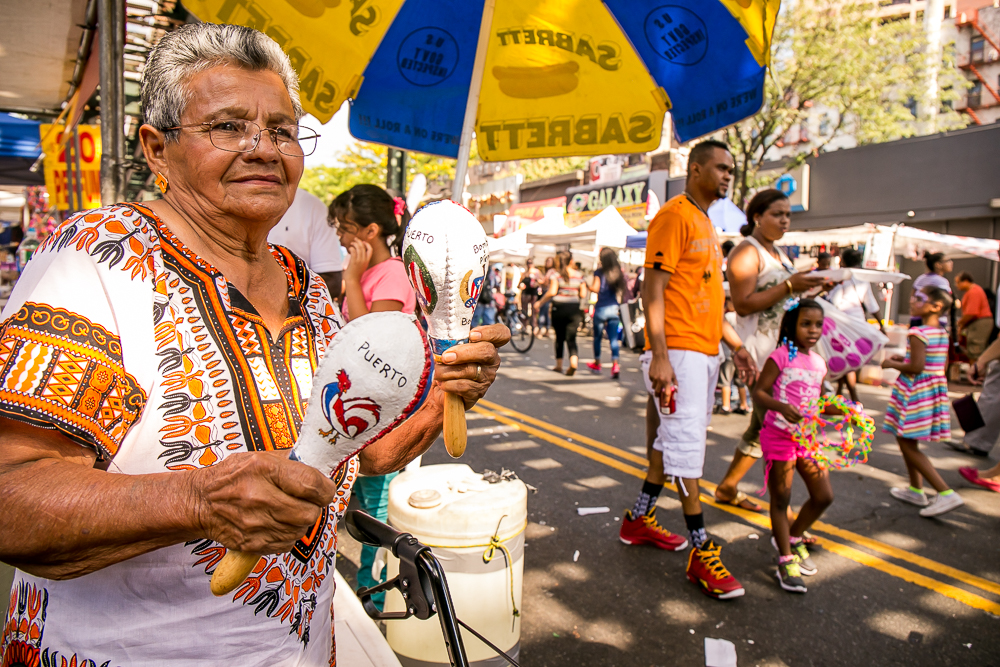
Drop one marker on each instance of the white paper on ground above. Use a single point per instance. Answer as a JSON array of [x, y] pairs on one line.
[[719, 653], [584, 511]]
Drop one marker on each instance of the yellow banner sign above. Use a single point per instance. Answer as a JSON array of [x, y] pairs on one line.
[[56, 154], [328, 41], [561, 79]]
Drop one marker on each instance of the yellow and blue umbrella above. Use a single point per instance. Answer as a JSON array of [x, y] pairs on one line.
[[558, 77]]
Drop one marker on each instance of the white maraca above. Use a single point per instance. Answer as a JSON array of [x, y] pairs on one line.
[[376, 372], [446, 256]]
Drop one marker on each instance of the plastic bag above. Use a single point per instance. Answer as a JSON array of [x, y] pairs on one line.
[[847, 343]]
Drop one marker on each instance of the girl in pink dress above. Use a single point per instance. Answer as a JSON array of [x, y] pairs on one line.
[[792, 376]]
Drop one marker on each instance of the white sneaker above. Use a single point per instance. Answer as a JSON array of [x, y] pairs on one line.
[[943, 504], [909, 496]]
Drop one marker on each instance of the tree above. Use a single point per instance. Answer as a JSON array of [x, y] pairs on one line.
[[366, 163], [835, 55]]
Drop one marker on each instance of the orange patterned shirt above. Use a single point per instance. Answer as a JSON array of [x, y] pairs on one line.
[[121, 338]]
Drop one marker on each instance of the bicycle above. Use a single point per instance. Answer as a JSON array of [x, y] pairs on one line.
[[421, 581], [522, 335]]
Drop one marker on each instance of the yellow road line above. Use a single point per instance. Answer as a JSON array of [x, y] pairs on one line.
[[763, 521], [597, 444], [819, 526]]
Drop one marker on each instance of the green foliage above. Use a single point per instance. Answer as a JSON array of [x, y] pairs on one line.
[[535, 170], [835, 55], [366, 163]]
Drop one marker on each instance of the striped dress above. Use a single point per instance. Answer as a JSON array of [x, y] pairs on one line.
[[919, 405]]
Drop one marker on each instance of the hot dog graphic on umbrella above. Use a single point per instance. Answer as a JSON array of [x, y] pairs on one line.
[[348, 417]]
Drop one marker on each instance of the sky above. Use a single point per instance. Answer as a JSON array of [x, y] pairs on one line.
[[333, 137]]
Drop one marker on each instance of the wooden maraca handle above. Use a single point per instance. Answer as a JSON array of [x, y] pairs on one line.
[[231, 571], [455, 436]]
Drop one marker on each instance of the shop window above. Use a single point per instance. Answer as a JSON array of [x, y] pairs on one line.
[[977, 49], [824, 124], [975, 94]]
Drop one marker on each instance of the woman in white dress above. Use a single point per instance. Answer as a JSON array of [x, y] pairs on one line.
[[761, 278]]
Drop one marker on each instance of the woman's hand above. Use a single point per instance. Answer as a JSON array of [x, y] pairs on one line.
[[361, 255], [746, 369], [469, 370], [804, 281], [790, 413], [894, 361], [259, 502]]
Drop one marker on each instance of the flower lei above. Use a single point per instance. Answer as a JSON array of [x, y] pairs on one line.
[[851, 442]]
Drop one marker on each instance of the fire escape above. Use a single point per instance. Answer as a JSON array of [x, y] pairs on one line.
[[978, 56]]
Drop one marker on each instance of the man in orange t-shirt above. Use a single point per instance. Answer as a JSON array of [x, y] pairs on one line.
[[977, 318], [683, 299]]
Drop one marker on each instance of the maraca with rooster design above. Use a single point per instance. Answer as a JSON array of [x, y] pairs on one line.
[[446, 256], [377, 372]]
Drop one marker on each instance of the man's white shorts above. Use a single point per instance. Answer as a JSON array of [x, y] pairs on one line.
[[681, 435]]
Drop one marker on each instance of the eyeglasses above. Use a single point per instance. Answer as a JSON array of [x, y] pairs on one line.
[[237, 135]]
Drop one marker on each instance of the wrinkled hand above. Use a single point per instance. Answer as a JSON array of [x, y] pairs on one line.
[[469, 370], [804, 281], [361, 256], [790, 413], [746, 368], [661, 374], [260, 502]]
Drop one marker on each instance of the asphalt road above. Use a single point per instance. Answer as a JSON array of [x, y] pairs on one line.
[[893, 588]]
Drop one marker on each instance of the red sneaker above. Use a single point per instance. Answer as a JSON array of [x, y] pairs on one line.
[[645, 530], [594, 366], [615, 370], [705, 568]]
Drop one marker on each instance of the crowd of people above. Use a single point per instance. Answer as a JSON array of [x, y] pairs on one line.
[[139, 444], [741, 316], [719, 316]]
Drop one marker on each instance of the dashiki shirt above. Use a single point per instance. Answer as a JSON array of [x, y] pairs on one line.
[[121, 338], [919, 407]]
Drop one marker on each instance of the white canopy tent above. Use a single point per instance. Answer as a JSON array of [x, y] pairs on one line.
[[541, 239], [609, 227]]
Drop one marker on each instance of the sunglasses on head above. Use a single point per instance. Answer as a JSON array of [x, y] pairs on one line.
[[921, 297]]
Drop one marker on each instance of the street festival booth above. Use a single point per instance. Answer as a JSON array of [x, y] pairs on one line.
[[606, 229], [882, 244]]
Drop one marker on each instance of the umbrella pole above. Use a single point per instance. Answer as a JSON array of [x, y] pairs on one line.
[[472, 104]]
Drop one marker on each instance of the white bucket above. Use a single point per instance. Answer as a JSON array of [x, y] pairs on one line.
[[454, 511]]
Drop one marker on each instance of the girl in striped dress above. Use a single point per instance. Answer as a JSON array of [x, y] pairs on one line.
[[918, 409]]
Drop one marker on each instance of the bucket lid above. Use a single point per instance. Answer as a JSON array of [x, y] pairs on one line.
[[451, 505]]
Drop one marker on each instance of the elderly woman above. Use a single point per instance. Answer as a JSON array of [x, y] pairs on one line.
[[153, 362]]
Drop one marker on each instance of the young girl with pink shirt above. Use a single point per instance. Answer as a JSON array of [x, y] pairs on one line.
[[792, 376], [366, 217]]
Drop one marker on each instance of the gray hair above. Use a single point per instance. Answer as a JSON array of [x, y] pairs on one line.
[[196, 47]]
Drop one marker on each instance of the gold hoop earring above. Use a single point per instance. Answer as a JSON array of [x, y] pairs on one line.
[[162, 183]]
